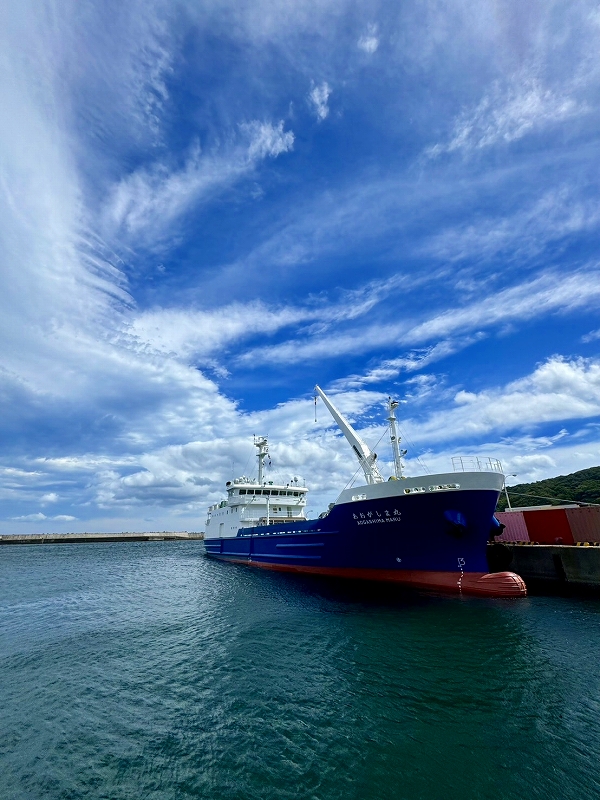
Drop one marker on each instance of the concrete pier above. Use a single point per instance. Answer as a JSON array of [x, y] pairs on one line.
[[554, 566], [85, 538]]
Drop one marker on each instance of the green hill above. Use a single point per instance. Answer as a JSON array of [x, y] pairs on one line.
[[582, 486]]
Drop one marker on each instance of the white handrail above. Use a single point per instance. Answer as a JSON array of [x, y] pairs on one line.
[[476, 464]]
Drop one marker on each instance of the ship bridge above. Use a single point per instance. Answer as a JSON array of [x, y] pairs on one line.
[[251, 502]]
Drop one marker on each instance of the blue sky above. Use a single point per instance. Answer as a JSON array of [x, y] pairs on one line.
[[208, 207]]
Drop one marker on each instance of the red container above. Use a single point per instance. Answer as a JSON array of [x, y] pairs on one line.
[[515, 530], [548, 526], [584, 523]]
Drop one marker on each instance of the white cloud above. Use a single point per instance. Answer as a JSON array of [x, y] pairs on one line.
[[49, 497], [201, 334], [39, 517], [530, 459], [186, 478], [55, 303], [547, 294], [318, 99], [369, 41], [150, 199], [498, 421], [538, 463], [558, 390], [391, 368], [508, 114], [592, 336], [556, 214], [187, 333], [267, 139]]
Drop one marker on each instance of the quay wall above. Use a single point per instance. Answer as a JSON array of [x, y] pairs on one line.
[[550, 565]]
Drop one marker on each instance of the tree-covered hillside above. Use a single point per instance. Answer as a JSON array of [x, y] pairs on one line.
[[582, 486]]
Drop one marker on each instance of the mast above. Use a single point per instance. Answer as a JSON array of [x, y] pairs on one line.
[[262, 444], [395, 439], [365, 457]]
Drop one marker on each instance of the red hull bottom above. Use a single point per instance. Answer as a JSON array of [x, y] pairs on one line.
[[491, 584]]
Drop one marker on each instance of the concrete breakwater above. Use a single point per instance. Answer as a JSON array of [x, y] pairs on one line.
[[84, 538]]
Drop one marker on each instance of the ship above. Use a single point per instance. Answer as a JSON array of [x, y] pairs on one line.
[[427, 532]]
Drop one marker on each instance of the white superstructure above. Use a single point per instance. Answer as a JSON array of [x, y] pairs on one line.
[[252, 502]]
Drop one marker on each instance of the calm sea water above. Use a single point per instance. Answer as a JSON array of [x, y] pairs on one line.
[[146, 671]]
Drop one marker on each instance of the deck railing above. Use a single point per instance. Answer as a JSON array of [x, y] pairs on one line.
[[476, 464]]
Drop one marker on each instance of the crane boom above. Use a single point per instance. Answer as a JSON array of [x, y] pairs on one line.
[[365, 457]]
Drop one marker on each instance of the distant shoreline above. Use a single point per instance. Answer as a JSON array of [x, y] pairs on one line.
[[85, 538]]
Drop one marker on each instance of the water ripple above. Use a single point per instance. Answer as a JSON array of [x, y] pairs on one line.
[[146, 671]]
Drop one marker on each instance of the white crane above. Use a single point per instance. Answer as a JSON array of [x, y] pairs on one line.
[[365, 457]]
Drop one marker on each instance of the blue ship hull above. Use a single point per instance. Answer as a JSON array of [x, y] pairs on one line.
[[434, 541]]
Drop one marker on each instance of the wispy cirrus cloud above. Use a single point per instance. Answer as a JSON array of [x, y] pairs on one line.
[[557, 214], [148, 201], [202, 333], [390, 368], [506, 114], [549, 293], [393, 218]]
